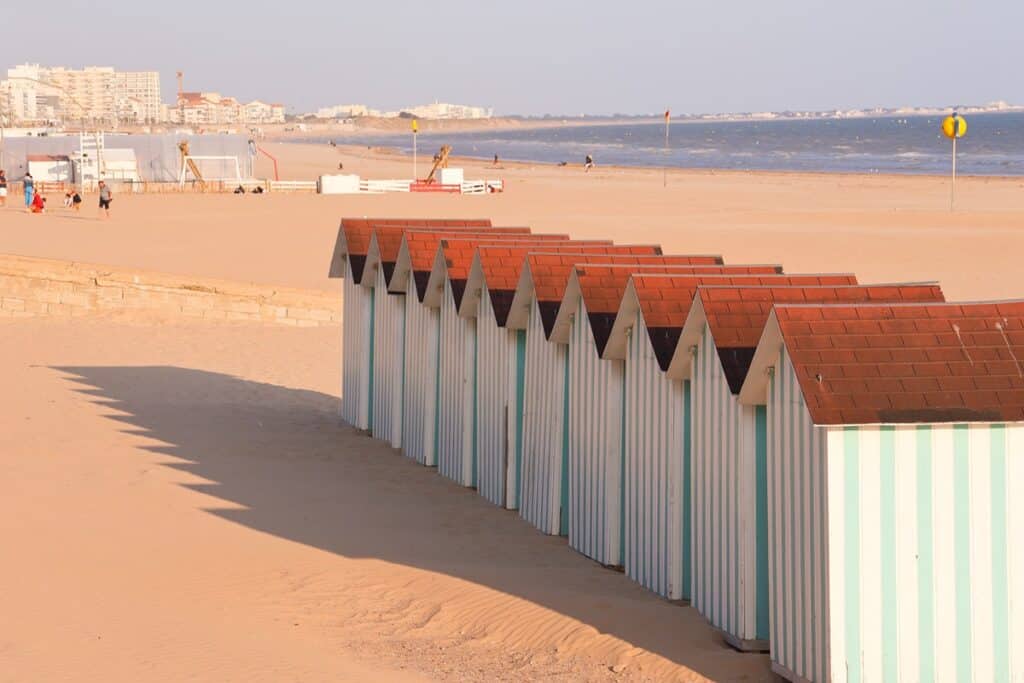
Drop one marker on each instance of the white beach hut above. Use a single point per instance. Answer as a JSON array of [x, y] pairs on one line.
[[596, 403], [389, 320], [656, 422], [358, 309], [545, 448], [895, 463], [502, 360], [414, 260], [457, 382], [729, 444]]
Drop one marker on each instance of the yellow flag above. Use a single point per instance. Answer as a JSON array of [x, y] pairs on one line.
[[415, 126]]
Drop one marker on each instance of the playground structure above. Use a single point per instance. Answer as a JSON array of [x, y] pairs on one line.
[[440, 161], [188, 164]]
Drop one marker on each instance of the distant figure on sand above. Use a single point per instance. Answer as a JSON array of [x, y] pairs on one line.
[[30, 189], [76, 200], [588, 163], [239, 190], [106, 197], [3, 188], [495, 160], [38, 204]]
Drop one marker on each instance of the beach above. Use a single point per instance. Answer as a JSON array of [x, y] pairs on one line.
[[182, 501]]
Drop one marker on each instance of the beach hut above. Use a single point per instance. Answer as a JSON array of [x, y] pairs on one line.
[[389, 320], [595, 427], [347, 262], [545, 450], [421, 354], [895, 463], [455, 425], [501, 360], [657, 422], [729, 442]]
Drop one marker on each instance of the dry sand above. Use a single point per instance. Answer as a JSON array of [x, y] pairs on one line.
[[882, 227], [181, 502]]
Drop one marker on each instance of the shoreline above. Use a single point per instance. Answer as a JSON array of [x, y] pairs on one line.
[[379, 153]]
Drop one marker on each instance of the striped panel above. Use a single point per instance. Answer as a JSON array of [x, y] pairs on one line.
[[389, 362], [654, 499], [494, 409], [355, 351], [725, 497], [925, 584], [454, 439], [419, 392], [543, 428], [596, 414], [801, 530]]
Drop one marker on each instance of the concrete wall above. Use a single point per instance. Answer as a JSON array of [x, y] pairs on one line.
[[31, 287]]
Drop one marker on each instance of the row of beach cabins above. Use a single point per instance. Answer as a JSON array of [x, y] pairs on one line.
[[828, 471]]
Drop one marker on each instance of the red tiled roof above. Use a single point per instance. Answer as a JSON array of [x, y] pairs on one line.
[[423, 246], [602, 287], [503, 265], [665, 300], [389, 239], [736, 315], [550, 272], [357, 232], [904, 363]]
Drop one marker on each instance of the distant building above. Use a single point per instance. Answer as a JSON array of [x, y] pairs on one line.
[[137, 96], [343, 111], [437, 110], [212, 108], [443, 110], [95, 94]]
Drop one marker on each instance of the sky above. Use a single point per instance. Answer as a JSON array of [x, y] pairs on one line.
[[546, 57]]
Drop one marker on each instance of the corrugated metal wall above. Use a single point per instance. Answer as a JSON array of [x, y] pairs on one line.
[[798, 531], [923, 521], [495, 405], [545, 446], [456, 424], [655, 424], [420, 391], [357, 334], [729, 581], [596, 407], [389, 362]]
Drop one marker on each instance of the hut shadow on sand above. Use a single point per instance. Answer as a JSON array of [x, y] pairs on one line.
[[300, 474]]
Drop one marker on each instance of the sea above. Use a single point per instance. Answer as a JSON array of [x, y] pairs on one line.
[[993, 146]]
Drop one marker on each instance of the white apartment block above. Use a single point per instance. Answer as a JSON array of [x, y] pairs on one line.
[[96, 95], [444, 110], [137, 95]]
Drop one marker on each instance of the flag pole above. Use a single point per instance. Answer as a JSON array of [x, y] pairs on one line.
[[415, 130], [664, 176]]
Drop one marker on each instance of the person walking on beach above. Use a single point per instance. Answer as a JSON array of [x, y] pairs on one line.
[[30, 190], [3, 188], [106, 196], [495, 160], [588, 164]]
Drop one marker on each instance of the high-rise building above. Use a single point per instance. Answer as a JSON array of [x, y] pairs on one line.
[[95, 94], [137, 96]]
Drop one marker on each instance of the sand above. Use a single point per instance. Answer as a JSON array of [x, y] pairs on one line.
[[186, 505], [180, 500], [884, 228]]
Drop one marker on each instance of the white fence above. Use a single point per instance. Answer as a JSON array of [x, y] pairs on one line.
[[467, 187]]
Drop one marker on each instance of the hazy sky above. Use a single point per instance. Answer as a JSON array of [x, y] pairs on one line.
[[558, 56]]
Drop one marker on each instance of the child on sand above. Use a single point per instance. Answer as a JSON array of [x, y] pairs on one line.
[[38, 204], [588, 164], [3, 188]]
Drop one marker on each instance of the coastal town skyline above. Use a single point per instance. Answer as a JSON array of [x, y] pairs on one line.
[[595, 59]]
